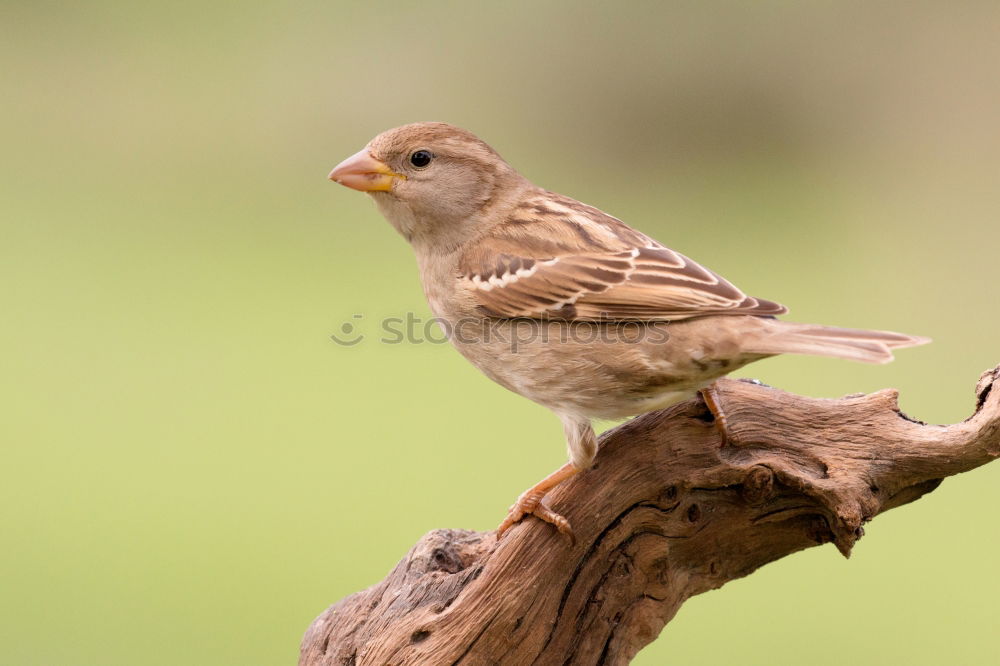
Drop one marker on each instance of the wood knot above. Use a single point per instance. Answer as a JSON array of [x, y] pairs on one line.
[[419, 635], [758, 484], [669, 495], [694, 513], [445, 559]]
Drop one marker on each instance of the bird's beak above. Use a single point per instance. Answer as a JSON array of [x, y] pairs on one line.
[[363, 172]]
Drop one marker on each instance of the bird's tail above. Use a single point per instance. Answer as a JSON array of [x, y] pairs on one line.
[[785, 337]]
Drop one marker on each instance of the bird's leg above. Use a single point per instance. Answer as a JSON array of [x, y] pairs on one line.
[[711, 398], [582, 445]]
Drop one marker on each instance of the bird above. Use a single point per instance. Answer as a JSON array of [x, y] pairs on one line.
[[565, 304]]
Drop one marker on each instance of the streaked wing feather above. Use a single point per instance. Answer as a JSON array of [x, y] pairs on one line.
[[568, 260]]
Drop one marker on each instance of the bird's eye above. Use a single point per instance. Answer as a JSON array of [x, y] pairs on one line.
[[421, 158]]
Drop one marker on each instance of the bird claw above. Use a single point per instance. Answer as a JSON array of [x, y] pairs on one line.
[[531, 503], [711, 399]]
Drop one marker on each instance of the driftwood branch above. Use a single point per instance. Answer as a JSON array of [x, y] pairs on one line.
[[669, 511]]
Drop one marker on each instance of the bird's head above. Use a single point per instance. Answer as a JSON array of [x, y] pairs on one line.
[[432, 181]]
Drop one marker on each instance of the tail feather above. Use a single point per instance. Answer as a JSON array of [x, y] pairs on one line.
[[783, 337]]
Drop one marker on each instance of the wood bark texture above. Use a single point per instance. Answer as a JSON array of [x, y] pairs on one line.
[[669, 510]]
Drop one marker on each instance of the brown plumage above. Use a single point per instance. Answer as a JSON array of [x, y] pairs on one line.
[[565, 304]]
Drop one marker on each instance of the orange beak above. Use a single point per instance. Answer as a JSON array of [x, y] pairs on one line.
[[363, 172]]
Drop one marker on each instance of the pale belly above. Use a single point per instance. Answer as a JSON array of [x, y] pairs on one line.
[[598, 370]]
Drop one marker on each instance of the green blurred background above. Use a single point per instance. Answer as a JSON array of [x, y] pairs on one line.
[[191, 470]]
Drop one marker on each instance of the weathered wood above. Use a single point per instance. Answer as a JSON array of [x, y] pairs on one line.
[[668, 511]]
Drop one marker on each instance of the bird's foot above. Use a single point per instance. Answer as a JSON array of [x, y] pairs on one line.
[[711, 398], [530, 502]]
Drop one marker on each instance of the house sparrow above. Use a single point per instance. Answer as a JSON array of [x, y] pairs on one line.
[[565, 304]]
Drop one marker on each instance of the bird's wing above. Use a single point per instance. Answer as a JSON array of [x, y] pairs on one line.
[[557, 258]]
